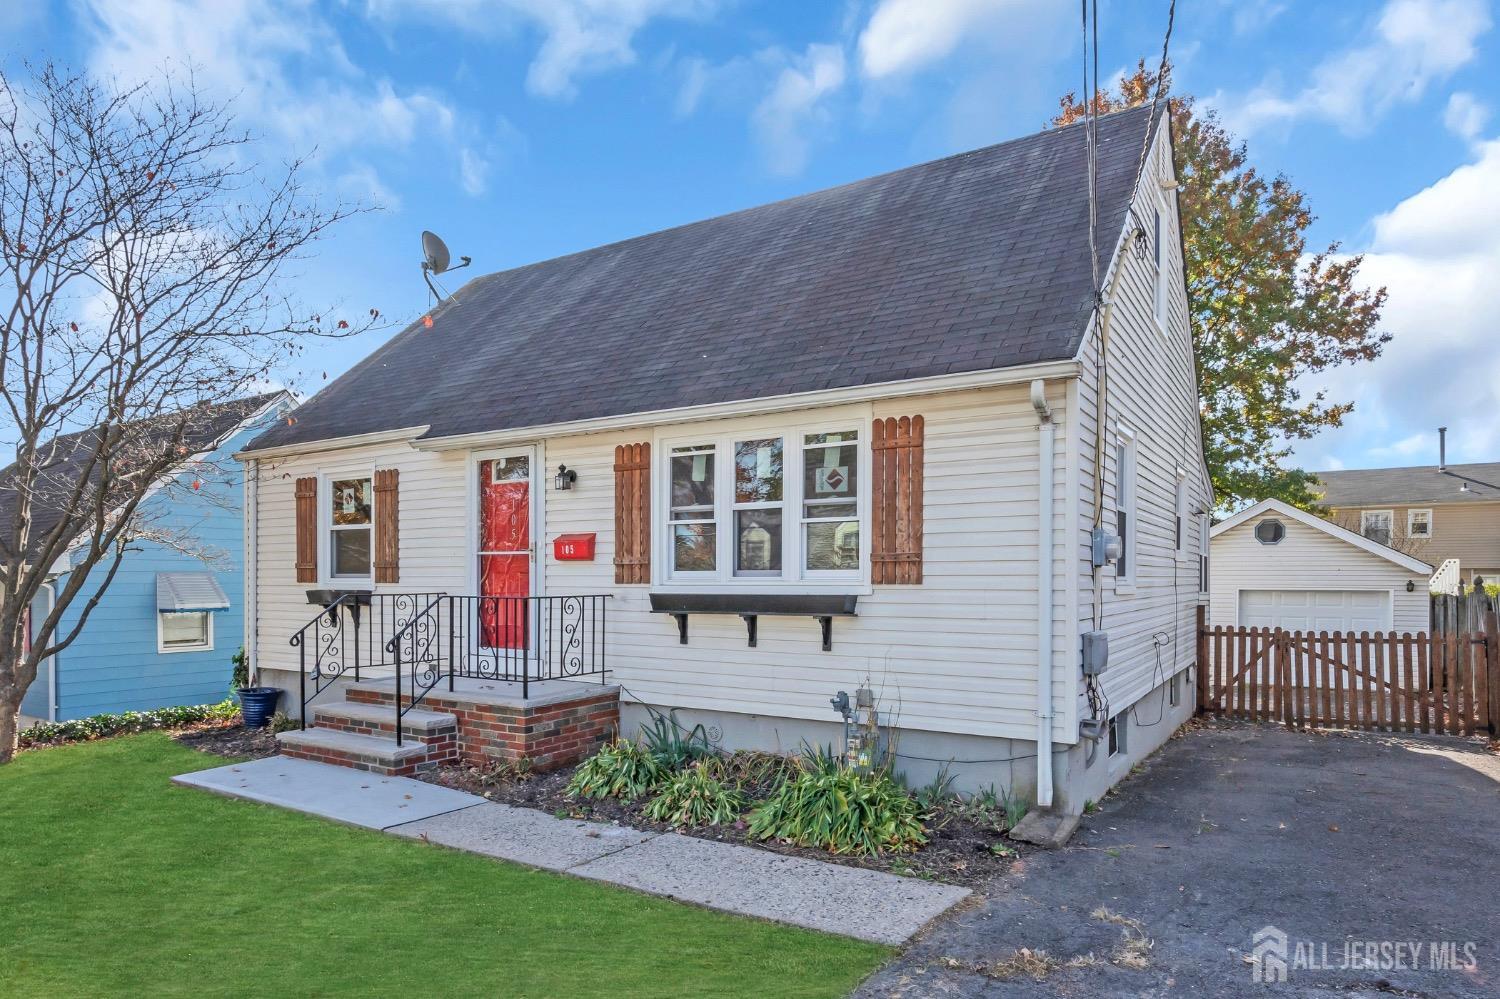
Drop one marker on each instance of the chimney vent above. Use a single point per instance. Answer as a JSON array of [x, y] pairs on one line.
[[1442, 449]]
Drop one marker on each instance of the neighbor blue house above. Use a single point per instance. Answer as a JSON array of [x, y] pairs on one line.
[[171, 620]]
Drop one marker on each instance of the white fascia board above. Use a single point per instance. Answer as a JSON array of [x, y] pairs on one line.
[[1276, 506], [1021, 374], [332, 444]]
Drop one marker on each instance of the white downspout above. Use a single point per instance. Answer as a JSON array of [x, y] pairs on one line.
[[1043, 595], [52, 659], [251, 557]]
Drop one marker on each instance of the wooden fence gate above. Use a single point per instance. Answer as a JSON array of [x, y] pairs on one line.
[[1438, 683]]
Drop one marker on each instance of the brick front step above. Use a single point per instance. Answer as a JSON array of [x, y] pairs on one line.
[[379, 719], [560, 723], [375, 754]]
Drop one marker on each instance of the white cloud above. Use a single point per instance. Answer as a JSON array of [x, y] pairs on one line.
[[903, 36], [280, 61], [579, 37], [1465, 116], [364, 183], [784, 119], [1437, 252], [1411, 44]]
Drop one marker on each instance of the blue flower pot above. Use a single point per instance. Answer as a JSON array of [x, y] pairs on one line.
[[258, 704]]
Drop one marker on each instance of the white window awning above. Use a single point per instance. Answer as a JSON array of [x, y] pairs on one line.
[[189, 591]]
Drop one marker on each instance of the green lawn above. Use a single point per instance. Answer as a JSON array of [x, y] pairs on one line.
[[113, 881]]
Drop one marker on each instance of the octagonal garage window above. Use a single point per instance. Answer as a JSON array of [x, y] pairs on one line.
[[1270, 532]]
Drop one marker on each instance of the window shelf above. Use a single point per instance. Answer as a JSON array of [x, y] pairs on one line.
[[752, 606]]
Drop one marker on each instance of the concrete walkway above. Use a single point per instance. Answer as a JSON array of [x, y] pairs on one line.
[[850, 901]]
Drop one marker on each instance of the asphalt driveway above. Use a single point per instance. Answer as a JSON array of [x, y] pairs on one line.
[[1349, 844]]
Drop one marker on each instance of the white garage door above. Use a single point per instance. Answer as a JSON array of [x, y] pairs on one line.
[[1316, 610]]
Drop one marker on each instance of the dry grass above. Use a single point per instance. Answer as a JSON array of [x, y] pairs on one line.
[[1027, 963], [1134, 950]]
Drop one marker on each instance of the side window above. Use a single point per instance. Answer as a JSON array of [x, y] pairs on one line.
[[1125, 518], [1204, 525], [1161, 270], [1376, 525], [1179, 515], [350, 518]]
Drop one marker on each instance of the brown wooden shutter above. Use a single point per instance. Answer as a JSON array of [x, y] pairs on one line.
[[307, 529], [633, 513], [896, 540], [387, 526]]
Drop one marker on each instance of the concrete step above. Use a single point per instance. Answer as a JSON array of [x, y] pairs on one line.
[[416, 723], [367, 749]]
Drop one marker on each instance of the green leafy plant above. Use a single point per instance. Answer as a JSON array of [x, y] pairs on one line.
[[937, 792], [697, 796], [102, 726], [239, 677], [621, 769], [820, 759], [674, 745], [843, 811], [283, 722]]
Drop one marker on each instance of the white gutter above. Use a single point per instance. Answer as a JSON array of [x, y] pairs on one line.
[[52, 659], [332, 443], [1043, 595], [751, 407]]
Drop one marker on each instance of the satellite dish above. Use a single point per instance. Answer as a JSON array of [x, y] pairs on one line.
[[435, 257], [435, 260]]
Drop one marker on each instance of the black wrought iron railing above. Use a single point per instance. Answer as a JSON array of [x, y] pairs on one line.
[[347, 638], [425, 638]]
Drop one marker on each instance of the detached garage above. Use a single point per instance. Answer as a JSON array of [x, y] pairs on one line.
[[1274, 566]]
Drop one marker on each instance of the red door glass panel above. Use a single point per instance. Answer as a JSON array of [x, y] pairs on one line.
[[504, 551]]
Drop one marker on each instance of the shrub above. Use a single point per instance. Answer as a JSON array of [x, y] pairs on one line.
[[621, 769], [674, 746], [698, 796], [239, 675], [101, 726], [283, 722], [843, 811]]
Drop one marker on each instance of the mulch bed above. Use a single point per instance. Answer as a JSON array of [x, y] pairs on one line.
[[229, 739], [958, 851]]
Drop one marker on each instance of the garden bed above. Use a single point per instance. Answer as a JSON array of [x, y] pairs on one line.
[[961, 849], [229, 739]]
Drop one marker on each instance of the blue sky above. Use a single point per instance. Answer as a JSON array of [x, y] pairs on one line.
[[522, 129]]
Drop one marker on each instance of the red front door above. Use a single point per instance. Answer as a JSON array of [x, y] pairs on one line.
[[504, 550]]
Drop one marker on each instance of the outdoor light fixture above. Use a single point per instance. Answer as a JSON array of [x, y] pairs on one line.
[[1410, 586], [565, 477]]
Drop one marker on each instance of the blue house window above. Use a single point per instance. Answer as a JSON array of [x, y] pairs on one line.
[[184, 631]]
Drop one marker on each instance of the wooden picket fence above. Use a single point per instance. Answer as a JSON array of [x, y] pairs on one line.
[[1425, 682]]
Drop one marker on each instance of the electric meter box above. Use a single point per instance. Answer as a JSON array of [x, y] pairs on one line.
[[1095, 652]]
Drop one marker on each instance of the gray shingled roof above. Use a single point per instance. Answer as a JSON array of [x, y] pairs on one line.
[[969, 263], [66, 457], [1365, 487]]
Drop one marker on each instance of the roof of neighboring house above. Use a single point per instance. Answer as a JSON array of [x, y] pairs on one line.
[[971, 263], [1366, 487], [69, 454], [1278, 508]]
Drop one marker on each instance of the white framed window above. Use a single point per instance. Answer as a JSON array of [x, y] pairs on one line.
[[1117, 735], [184, 631], [349, 522], [1125, 508], [1179, 515], [1159, 305], [1419, 523], [1376, 525], [1174, 692], [767, 507], [1270, 532], [1204, 526]]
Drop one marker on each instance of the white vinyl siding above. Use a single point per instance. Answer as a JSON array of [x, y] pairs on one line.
[[1152, 390], [955, 654], [1310, 560]]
